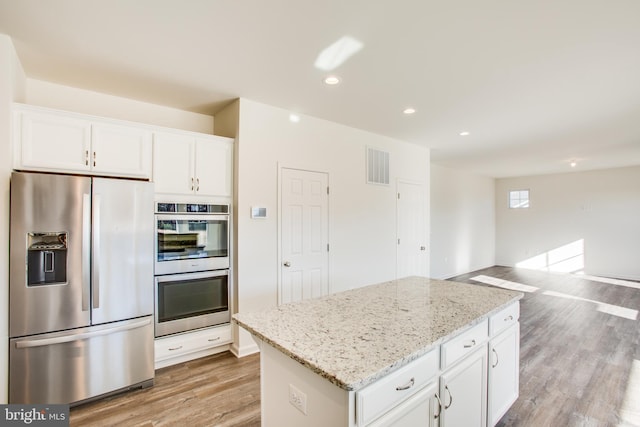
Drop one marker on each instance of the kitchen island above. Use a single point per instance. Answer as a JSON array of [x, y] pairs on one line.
[[389, 354]]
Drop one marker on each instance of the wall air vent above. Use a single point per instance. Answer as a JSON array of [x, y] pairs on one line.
[[377, 166]]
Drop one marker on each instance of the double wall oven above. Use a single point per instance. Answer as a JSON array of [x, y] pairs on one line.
[[191, 266]]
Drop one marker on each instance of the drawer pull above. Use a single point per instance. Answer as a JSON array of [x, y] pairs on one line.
[[407, 386], [214, 339], [508, 319], [471, 344], [175, 348]]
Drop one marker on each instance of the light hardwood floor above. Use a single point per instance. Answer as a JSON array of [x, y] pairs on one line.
[[579, 350], [579, 365], [219, 390]]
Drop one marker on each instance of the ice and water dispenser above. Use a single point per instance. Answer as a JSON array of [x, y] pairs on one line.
[[46, 258]]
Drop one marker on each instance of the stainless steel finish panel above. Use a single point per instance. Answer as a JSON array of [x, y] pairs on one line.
[[191, 265], [47, 203], [67, 367], [189, 323], [122, 263]]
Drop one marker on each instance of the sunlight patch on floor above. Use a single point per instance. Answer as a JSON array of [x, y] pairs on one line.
[[506, 284], [630, 410], [603, 307], [568, 258], [617, 282]]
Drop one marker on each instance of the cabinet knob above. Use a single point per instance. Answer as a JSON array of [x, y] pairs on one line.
[[286, 264]]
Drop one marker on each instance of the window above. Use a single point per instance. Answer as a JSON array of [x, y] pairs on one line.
[[519, 199]]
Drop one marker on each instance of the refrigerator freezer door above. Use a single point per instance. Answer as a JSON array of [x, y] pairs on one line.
[[68, 367], [122, 262], [56, 205]]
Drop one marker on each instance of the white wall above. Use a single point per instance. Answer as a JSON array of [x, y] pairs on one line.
[[12, 84], [462, 222], [589, 218], [46, 94], [362, 224]]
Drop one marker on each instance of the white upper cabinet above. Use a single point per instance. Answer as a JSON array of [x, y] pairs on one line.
[[214, 159], [192, 165], [121, 150], [59, 141], [173, 163], [52, 142]]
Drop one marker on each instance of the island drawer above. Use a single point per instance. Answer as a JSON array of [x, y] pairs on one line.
[[463, 344], [381, 396], [504, 318]]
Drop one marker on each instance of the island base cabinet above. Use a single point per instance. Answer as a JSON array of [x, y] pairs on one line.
[[293, 396], [504, 354], [463, 392]]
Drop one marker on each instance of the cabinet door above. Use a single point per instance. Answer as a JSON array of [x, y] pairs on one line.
[[214, 158], [173, 168], [463, 392], [53, 142], [504, 355], [119, 150], [419, 410]]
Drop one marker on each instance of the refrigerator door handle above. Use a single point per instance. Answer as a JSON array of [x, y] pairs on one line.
[[86, 251], [82, 336], [95, 295]]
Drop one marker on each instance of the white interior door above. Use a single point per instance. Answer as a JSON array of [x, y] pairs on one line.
[[304, 235], [412, 248]]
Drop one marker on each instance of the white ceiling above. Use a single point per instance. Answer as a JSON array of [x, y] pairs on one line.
[[537, 83]]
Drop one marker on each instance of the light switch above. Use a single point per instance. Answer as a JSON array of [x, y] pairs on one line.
[[258, 212]]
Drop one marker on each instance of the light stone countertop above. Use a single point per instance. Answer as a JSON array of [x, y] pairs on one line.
[[355, 337]]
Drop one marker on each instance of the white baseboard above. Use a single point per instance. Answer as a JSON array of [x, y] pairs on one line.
[[244, 351]]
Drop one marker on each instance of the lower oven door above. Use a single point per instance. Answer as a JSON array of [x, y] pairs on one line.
[[190, 301]]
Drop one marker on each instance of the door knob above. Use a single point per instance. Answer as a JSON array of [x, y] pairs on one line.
[[287, 264]]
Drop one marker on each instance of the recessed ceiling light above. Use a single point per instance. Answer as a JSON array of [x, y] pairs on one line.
[[409, 110], [464, 133], [332, 80], [573, 164], [294, 118]]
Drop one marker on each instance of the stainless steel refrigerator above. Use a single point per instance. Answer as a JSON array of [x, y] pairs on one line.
[[81, 287]]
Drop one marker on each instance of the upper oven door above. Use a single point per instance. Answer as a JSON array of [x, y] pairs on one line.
[[189, 243]]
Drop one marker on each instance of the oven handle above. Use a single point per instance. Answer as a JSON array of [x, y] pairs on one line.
[[190, 276], [192, 217]]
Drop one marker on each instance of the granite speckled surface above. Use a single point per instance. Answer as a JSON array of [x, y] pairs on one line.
[[355, 337]]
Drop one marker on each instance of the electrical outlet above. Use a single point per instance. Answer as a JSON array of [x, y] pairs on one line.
[[298, 399]]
